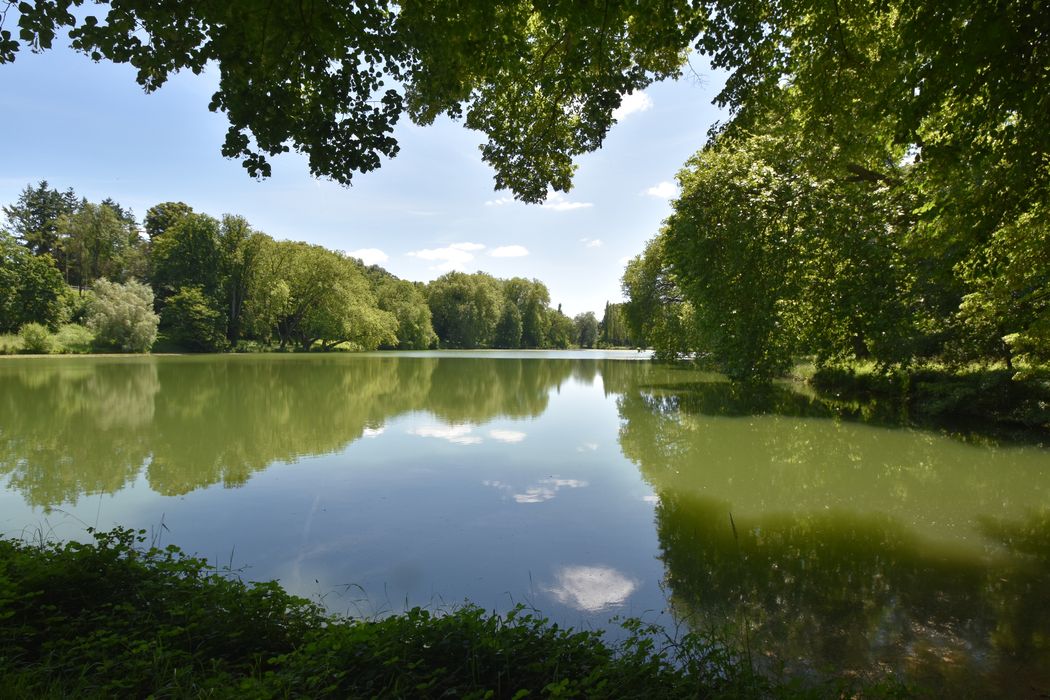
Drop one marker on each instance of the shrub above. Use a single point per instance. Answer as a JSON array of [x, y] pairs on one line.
[[121, 315], [36, 339]]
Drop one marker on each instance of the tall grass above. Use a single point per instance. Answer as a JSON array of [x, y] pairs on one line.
[[10, 344], [69, 339]]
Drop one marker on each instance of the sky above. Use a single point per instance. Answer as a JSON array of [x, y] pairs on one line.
[[431, 209]]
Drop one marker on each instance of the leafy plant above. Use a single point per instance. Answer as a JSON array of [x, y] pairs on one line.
[[36, 339]]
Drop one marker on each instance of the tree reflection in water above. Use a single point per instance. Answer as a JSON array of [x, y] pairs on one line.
[[859, 544], [847, 547], [86, 426]]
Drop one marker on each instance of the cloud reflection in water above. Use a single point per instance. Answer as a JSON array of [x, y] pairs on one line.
[[456, 434], [544, 489], [508, 436], [591, 588], [462, 434]]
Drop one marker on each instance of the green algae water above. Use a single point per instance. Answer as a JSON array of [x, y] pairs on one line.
[[587, 485]]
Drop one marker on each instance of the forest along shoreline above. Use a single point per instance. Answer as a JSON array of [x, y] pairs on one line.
[[72, 269], [83, 277]]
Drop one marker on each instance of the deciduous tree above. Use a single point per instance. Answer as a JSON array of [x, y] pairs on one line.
[[586, 329], [31, 287], [465, 308]]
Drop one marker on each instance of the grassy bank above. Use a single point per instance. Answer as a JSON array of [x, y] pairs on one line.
[[993, 401], [113, 619], [69, 339]]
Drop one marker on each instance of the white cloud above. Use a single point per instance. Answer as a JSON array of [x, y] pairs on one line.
[[510, 436], [372, 432], [626, 259], [591, 588], [592, 242], [556, 201], [634, 102], [587, 447], [509, 251], [456, 434], [369, 256], [663, 190], [453, 256]]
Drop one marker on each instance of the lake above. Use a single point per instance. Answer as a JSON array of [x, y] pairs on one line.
[[584, 484]]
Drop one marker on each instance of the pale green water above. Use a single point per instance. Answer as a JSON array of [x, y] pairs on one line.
[[584, 484]]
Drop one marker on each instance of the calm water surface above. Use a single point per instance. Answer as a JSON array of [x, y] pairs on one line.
[[585, 484]]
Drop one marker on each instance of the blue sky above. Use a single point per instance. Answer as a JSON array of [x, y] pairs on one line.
[[433, 208]]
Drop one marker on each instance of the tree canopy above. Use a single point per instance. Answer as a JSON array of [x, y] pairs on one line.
[[331, 79], [31, 287], [964, 82], [878, 193]]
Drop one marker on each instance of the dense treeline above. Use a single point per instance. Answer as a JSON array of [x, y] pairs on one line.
[[218, 284], [880, 193]]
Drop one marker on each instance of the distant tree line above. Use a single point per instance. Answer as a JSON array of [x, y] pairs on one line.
[[212, 285]]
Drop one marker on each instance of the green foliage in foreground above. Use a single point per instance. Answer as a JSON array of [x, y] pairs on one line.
[[110, 619], [74, 339]]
